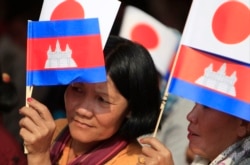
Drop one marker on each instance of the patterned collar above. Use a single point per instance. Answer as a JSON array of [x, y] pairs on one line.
[[238, 153]]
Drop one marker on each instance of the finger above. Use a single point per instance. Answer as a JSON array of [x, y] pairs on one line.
[[27, 123], [144, 160], [33, 135], [34, 123], [32, 114], [28, 137], [153, 142], [149, 151], [155, 152], [141, 160], [153, 157], [40, 108], [152, 152], [31, 142], [155, 149]]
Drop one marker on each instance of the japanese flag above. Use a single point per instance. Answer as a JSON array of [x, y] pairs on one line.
[[104, 10], [160, 40], [221, 27], [212, 67]]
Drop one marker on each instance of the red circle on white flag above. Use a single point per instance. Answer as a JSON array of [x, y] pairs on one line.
[[231, 22], [69, 9], [145, 35]]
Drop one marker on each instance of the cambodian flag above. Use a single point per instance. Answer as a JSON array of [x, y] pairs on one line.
[[212, 81], [212, 66], [64, 51]]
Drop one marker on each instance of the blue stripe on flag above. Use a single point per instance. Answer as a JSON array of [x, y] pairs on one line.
[[210, 98], [63, 28], [64, 77]]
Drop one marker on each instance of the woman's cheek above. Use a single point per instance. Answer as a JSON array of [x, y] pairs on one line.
[[69, 106]]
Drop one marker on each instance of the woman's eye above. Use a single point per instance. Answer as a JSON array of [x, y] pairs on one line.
[[101, 99], [77, 89]]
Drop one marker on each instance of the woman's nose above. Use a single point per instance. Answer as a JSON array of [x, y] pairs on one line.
[[86, 109], [191, 116]]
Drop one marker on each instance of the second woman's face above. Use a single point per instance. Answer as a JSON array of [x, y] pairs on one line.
[[94, 111], [211, 131]]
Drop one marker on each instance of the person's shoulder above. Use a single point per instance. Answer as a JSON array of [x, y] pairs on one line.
[[11, 151], [60, 124], [134, 148], [128, 156], [8, 141]]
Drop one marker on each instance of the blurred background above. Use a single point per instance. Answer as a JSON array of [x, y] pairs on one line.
[[172, 13]]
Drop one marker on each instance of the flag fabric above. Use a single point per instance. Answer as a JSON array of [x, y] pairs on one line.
[[64, 51], [220, 27], [105, 11], [160, 40], [212, 81], [211, 73]]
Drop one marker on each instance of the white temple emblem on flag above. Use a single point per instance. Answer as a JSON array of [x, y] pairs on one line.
[[218, 80], [59, 58]]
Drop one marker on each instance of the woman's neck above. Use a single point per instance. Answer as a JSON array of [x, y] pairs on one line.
[[78, 148]]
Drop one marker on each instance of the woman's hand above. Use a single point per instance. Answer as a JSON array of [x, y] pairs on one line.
[[154, 153], [37, 128]]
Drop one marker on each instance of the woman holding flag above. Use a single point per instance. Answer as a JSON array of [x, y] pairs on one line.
[[103, 119], [215, 137]]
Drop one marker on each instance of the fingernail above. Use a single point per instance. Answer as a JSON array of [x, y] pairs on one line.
[[29, 99]]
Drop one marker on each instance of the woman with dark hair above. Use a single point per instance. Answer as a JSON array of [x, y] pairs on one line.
[[103, 119], [215, 138]]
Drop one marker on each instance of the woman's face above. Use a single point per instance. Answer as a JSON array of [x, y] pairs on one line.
[[211, 131], [94, 111]]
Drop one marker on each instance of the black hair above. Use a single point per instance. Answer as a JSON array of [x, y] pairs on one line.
[[133, 72]]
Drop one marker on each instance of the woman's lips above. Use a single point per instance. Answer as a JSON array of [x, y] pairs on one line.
[[82, 124], [191, 134]]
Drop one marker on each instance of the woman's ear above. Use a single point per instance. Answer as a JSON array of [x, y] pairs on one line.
[[244, 129], [248, 128]]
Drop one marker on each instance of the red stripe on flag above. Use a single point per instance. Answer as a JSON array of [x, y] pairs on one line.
[[86, 51], [191, 65]]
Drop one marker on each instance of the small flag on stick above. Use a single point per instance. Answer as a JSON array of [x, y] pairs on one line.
[[66, 44], [64, 51], [160, 40], [212, 66], [104, 10]]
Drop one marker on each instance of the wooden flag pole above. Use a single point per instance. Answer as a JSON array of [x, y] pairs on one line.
[[29, 90], [163, 103], [165, 95]]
